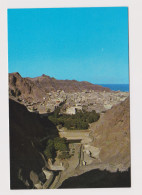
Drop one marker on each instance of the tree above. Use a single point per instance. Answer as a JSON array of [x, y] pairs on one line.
[[80, 120], [60, 144]]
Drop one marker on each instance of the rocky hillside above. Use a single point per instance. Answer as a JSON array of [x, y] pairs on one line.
[[112, 135], [24, 88], [44, 94], [26, 131], [36, 88], [107, 146], [106, 154], [52, 84]]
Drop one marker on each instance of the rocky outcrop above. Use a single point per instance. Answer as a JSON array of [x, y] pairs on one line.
[[44, 94], [36, 88], [106, 145], [99, 179], [52, 84], [105, 161], [23, 88], [112, 136], [26, 160]]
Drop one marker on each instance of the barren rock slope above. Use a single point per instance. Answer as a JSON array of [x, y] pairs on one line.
[[36, 88], [112, 135]]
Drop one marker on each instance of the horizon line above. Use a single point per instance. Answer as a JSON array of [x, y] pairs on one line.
[[71, 79]]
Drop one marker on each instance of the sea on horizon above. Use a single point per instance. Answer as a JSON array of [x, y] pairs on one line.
[[117, 87]]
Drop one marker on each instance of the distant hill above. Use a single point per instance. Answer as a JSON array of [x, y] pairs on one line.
[[52, 84], [38, 87]]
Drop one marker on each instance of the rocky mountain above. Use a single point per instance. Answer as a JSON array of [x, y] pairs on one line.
[[112, 135], [52, 84], [109, 146], [106, 145], [24, 88], [36, 88], [44, 94], [105, 152], [26, 131]]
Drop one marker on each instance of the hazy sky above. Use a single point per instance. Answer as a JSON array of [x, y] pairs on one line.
[[88, 44]]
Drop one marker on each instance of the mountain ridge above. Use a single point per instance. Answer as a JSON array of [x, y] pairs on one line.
[[48, 83]]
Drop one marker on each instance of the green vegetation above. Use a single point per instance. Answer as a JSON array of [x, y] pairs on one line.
[[60, 144], [64, 155], [54, 145], [80, 120]]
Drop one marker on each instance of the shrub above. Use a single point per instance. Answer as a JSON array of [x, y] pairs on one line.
[[64, 155], [53, 145], [60, 144]]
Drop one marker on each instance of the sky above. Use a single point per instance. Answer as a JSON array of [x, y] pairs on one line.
[[84, 44]]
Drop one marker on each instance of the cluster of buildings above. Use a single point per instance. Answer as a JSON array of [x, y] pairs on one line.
[[71, 102]]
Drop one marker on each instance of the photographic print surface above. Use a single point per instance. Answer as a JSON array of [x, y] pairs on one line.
[[69, 109]]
